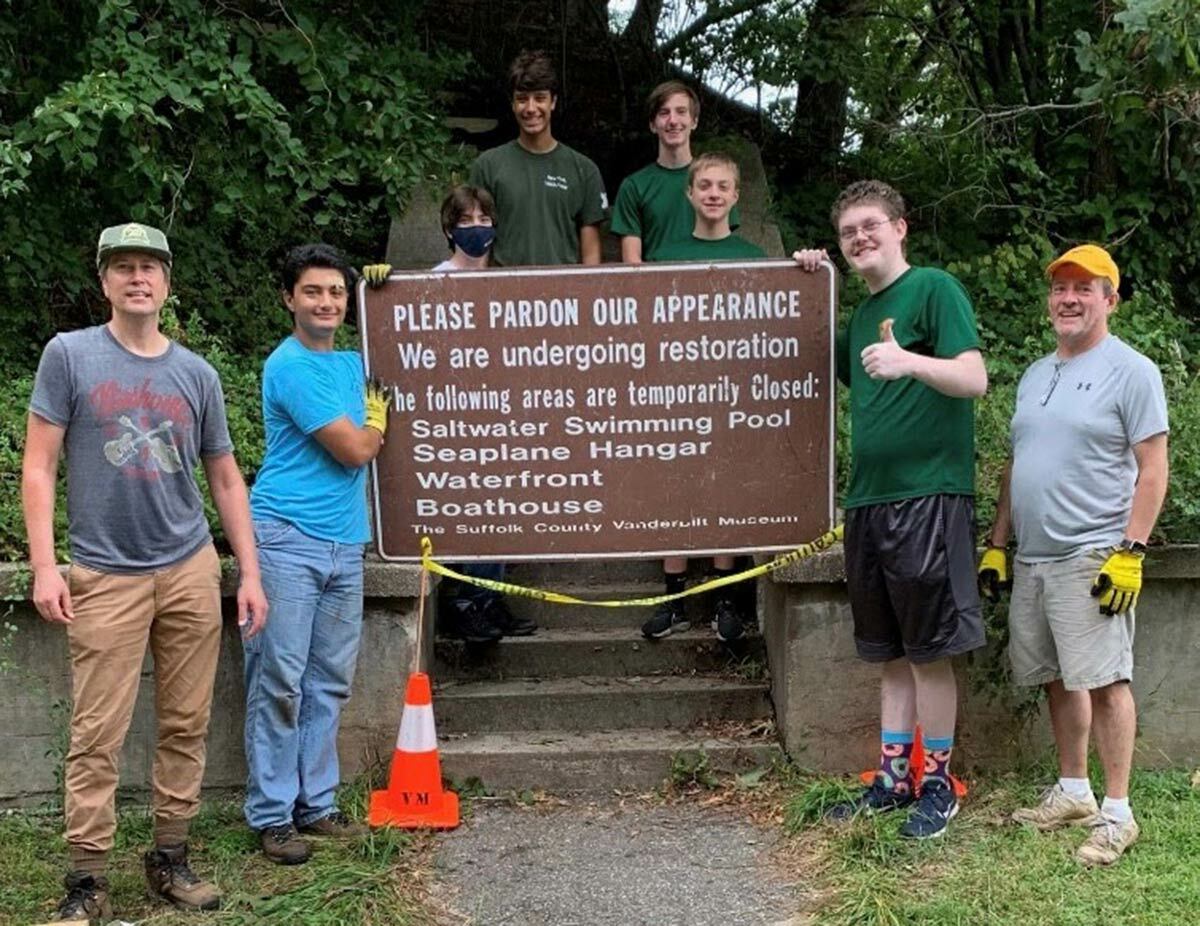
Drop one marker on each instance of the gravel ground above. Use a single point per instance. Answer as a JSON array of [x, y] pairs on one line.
[[590, 864]]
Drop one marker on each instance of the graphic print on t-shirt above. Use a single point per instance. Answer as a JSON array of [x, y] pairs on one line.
[[140, 426]]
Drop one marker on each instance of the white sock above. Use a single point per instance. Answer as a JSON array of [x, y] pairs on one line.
[[1117, 808], [1076, 787]]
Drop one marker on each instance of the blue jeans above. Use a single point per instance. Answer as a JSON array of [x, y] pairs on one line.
[[298, 673]]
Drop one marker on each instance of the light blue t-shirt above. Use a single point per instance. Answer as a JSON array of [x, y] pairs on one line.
[[300, 482], [1073, 434]]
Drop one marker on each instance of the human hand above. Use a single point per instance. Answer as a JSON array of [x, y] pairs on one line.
[[1119, 581], [376, 274], [252, 607], [51, 596], [810, 258], [993, 573], [378, 397], [886, 359]]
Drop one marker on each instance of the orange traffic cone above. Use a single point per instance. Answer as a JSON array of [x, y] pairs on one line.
[[414, 797], [917, 764]]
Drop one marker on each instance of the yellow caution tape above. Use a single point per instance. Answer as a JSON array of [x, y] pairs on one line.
[[824, 542]]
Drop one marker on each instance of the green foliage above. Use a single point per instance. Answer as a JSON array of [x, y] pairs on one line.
[[239, 132]]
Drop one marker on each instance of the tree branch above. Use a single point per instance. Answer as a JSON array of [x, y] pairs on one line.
[[712, 18]]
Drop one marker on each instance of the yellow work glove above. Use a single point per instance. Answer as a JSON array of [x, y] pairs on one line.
[[378, 398], [993, 573], [1119, 582], [376, 274]]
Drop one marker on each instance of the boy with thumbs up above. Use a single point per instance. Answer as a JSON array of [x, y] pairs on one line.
[[910, 355]]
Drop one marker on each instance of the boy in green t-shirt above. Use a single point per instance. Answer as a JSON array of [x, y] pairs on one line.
[[910, 355], [712, 191], [652, 209], [550, 199]]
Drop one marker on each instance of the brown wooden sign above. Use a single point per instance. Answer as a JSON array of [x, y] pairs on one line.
[[621, 411]]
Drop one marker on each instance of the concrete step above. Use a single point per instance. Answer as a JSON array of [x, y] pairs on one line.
[[592, 703], [563, 763], [579, 617], [617, 651]]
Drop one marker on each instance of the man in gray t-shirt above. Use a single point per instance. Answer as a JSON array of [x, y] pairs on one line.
[[1087, 480], [135, 413]]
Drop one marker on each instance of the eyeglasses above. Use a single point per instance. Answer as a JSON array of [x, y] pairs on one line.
[[1058, 368], [850, 232]]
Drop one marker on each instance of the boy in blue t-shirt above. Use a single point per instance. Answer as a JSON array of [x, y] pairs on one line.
[[310, 519]]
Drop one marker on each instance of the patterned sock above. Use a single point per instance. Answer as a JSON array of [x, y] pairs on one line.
[[937, 757], [725, 593], [895, 761]]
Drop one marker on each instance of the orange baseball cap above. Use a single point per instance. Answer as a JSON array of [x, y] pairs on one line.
[[1092, 258]]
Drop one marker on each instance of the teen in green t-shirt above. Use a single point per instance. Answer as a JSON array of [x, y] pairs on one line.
[[910, 355], [712, 191], [652, 208], [550, 199]]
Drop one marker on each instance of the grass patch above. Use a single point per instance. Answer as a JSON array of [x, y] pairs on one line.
[[378, 880], [987, 871]]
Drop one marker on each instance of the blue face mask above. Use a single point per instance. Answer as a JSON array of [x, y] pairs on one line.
[[473, 240]]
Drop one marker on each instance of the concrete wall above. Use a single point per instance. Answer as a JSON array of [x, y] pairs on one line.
[[36, 690], [827, 701]]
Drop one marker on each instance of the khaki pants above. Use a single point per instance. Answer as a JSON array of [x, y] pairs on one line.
[[178, 611]]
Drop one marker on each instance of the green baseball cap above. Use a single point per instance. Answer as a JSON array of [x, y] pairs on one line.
[[132, 236]]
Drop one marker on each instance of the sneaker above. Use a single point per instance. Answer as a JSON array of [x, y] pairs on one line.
[[467, 621], [495, 610], [875, 799], [283, 845], [1109, 840], [170, 878], [86, 900], [1058, 808], [727, 622], [334, 826], [936, 807], [668, 619]]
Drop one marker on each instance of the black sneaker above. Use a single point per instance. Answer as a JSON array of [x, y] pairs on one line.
[[875, 799], [496, 611], [668, 619], [727, 622], [935, 808], [86, 900], [467, 621]]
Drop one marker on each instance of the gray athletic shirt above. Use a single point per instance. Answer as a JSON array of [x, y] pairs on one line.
[[1073, 433], [135, 429]]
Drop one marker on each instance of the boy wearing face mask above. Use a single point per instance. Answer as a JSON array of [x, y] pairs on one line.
[[475, 614]]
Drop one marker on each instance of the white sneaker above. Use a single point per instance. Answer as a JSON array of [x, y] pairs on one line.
[[1109, 840], [1058, 808]]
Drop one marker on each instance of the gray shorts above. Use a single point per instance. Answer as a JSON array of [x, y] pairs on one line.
[[1056, 630]]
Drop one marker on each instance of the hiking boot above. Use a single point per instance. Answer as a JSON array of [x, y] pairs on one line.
[[170, 878], [1109, 840], [875, 799], [497, 614], [467, 621], [334, 826], [668, 619], [727, 622], [86, 900], [1058, 808], [936, 807], [283, 845]]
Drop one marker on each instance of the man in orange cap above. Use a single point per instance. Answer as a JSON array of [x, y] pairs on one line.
[[1082, 492]]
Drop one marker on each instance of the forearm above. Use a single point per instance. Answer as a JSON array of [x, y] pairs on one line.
[[961, 377], [233, 507], [631, 250], [37, 499], [589, 245], [1148, 499], [1002, 525]]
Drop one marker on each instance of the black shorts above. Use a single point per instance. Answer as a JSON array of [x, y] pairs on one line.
[[910, 572]]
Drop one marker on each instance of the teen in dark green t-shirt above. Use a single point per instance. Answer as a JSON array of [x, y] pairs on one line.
[[731, 247], [550, 199]]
